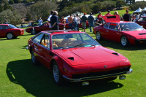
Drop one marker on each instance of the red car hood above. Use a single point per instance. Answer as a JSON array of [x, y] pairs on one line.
[[139, 34], [88, 55]]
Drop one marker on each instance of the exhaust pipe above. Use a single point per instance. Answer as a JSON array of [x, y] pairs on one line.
[[122, 77]]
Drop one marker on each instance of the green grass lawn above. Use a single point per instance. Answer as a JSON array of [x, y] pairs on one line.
[[19, 78], [120, 12]]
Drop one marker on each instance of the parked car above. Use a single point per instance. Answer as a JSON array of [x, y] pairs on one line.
[[76, 57], [10, 31], [120, 31], [142, 21], [43, 27]]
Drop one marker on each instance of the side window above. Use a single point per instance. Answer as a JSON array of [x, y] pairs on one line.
[[0, 26], [3, 27], [106, 25], [38, 38], [46, 41], [113, 26]]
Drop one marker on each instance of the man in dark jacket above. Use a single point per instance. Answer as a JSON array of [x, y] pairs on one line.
[[84, 19], [55, 21], [127, 17], [91, 21]]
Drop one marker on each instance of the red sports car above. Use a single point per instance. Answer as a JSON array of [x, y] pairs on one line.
[[142, 22], [10, 31], [76, 56], [120, 31], [43, 27]]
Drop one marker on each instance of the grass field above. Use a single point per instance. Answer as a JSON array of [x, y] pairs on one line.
[[120, 12], [19, 78]]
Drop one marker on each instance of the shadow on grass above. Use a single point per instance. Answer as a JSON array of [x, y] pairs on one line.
[[38, 81], [116, 45]]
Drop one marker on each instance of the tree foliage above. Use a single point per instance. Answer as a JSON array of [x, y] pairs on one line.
[[136, 5], [42, 9], [11, 16]]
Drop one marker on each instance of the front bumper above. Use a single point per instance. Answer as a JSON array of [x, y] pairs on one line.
[[100, 76], [140, 41]]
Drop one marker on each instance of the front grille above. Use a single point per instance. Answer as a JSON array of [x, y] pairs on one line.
[[110, 72]]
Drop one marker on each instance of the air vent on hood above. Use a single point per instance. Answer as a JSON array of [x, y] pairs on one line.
[[142, 33], [115, 54], [71, 58]]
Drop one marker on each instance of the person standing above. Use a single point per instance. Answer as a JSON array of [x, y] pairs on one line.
[[78, 21], [49, 18], [40, 21], [108, 13], [84, 19], [91, 21], [70, 20], [127, 17], [54, 21]]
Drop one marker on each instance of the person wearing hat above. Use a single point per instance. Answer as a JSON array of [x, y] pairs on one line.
[[84, 19], [108, 13], [91, 21], [127, 16]]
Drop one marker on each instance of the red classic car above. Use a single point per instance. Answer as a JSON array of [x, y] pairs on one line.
[[120, 31], [43, 27], [142, 22], [10, 31], [76, 56]]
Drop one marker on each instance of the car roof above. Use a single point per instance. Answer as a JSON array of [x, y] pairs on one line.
[[53, 32], [4, 24]]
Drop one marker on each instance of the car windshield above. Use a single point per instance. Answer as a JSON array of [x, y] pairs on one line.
[[12, 26], [62, 41], [130, 26]]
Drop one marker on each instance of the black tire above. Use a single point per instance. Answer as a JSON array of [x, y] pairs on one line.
[[33, 59], [124, 41], [58, 78], [33, 31], [9, 35], [98, 36]]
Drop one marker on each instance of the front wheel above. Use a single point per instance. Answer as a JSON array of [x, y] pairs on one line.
[[124, 41], [10, 35], [57, 75], [98, 36]]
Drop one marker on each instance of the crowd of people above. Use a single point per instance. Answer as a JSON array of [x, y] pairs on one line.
[[74, 20]]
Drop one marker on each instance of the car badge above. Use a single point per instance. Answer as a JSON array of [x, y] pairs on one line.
[[105, 66]]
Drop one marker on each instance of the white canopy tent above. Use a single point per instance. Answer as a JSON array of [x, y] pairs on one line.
[[144, 9], [139, 10]]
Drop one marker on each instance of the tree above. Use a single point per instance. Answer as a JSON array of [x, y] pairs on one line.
[[1, 8], [42, 9], [12, 16], [119, 3], [28, 17], [11, 1], [17, 1]]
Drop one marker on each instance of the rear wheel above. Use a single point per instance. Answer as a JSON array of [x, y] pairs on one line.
[[10, 35], [124, 41], [98, 36], [57, 75]]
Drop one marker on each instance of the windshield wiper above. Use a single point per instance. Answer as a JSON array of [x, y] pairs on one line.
[[80, 44]]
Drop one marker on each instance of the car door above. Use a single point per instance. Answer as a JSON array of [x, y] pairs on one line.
[[37, 47], [113, 31], [105, 31], [45, 51], [44, 27], [3, 30]]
